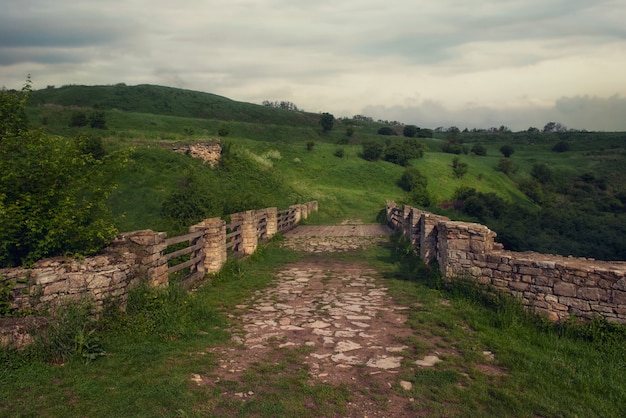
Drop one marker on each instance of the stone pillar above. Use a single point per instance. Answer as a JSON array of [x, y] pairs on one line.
[[214, 243], [298, 212], [272, 221], [428, 238], [406, 221], [304, 208], [249, 238], [148, 246]]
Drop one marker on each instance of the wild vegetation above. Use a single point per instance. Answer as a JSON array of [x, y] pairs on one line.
[[557, 191]]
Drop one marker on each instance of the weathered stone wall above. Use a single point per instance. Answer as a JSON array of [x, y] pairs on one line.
[[133, 256], [555, 286], [209, 152]]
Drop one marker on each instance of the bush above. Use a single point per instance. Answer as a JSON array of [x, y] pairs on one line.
[[53, 193], [372, 150], [310, 145], [479, 149], [506, 166], [339, 153], [386, 130], [78, 119], [223, 130], [97, 120], [410, 131], [561, 146], [507, 150]]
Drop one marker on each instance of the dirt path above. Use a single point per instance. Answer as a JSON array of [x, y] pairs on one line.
[[337, 314]]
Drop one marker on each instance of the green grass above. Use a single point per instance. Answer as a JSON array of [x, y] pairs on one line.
[[152, 351]]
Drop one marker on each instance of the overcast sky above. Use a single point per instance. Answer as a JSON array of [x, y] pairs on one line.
[[468, 63]]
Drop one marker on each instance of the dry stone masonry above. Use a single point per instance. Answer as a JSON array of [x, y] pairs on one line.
[[134, 256], [555, 286]]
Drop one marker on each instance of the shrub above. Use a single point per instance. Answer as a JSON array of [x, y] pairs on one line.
[[506, 166], [410, 131], [339, 153], [561, 146], [223, 130], [479, 149], [507, 150], [97, 120], [349, 131], [386, 130], [372, 150], [310, 145], [78, 119]]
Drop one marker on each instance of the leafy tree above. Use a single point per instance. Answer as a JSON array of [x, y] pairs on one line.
[[410, 131], [479, 149], [542, 173], [386, 130], [506, 166], [12, 116], [413, 148], [412, 179], [507, 150], [97, 119], [415, 183], [425, 133], [459, 168], [350, 131], [53, 192], [78, 119], [532, 188], [327, 121], [396, 154], [372, 150], [561, 146]]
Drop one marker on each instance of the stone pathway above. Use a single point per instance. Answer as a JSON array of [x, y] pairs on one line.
[[338, 312]]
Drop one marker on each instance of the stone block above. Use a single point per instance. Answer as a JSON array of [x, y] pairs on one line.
[[577, 304], [564, 289], [519, 286], [592, 294]]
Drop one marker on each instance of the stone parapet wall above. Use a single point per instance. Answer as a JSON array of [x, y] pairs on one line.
[[555, 286], [133, 256], [209, 152]]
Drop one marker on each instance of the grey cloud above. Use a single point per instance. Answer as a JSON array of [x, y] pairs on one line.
[[581, 112]]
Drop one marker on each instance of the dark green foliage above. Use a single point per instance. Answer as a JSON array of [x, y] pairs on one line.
[[542, 173], [415, 183], [412, 179], [223, 130], [396, 154], [339, 153], [479, 149], [561, 146], [459, 168], [425, 133], [97, 119], [13, 119], [506, 166], [327, 121], [386, 130], [6, 308], [78, 119], [410, 131], [53, 194], [532, 188], [310, 145], [507, 150], [451, 147], [372, 150], [350, 131], [90, 146]]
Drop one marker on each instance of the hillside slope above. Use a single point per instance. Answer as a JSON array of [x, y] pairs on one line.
[[168, 101]]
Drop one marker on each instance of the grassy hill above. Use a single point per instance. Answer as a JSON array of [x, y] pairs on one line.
[[289, 159]]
